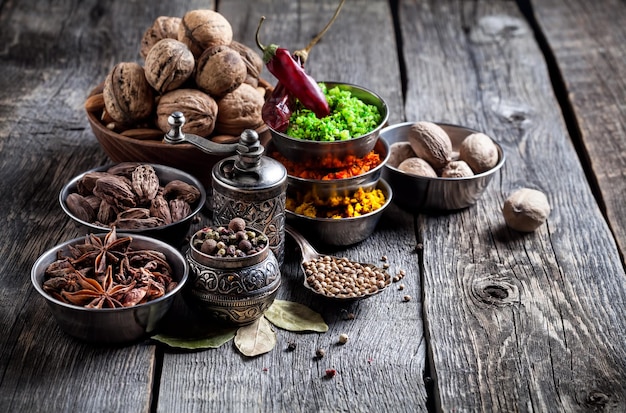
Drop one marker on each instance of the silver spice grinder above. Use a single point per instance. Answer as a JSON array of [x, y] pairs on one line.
[[252, 186]]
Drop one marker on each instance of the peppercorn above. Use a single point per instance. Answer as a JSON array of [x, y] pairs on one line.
[[291, 346], [343, 338], [319, 353], [406, 298]]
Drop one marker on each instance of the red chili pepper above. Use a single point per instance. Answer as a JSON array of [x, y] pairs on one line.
[[277, 108], [298, 83]]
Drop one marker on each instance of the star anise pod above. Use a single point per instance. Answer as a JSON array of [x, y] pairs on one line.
[[99, 254], [95, 295]]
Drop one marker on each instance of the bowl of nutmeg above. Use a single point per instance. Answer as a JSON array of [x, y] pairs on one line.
[[439, 167], [191, 65]]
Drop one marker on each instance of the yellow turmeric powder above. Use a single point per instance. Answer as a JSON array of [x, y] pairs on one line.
[[361, 202]]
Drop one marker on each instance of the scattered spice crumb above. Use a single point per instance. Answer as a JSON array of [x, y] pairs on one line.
[[401, 287], [406, 298], [266, 369], [383, 258], [386, 265], [350, 316], [330, 373], [343, 338], [319, 353], [419, 246], [291, 346]]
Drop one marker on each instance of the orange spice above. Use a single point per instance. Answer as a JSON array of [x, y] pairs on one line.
[[329, 167]]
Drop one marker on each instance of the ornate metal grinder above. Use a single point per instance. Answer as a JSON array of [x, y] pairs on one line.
[[253, 187]]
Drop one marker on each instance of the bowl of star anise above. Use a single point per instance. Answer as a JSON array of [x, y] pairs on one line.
[[111, 288], [139, 198]]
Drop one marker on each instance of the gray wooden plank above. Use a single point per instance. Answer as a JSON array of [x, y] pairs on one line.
[[381, 367], [588, 42], [52, 55], [515, 322]]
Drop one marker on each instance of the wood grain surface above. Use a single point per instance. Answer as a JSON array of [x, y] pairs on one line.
[[498, 320]]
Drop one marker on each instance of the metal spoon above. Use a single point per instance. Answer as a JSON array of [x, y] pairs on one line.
[[309, 253]]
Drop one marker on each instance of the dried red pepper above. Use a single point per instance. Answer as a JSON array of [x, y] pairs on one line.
[[293, 81], [290, 73]]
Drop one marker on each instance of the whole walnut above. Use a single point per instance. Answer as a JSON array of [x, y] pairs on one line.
[[128, 97], [164, 27], [239, 110], [168, 65], [253, 61], [220, 70], [200, 111], [201, 29]]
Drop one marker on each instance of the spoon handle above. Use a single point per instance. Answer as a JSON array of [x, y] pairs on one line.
[[307, 250]]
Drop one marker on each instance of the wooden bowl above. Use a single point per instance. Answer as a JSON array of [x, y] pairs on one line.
[[184, 156]]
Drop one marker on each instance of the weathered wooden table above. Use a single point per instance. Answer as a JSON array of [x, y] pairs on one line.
[[499, 321]]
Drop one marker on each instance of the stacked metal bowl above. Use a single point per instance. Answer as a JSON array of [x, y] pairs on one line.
[[345, 230]]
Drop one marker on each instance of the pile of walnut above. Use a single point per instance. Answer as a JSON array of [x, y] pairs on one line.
[[130, 196], [428, 152], [192, 65]]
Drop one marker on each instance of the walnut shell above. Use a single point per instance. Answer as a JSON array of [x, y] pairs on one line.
[[128, 97], [164, 27], [253, 61], [239, 110], [431, 143], [200, 111], [479, 151], [417, 166], [220, 71], [168, 65], [201, 29]]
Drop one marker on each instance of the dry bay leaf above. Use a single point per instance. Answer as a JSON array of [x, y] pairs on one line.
[[212, 339], [293, 316], [256, 338]]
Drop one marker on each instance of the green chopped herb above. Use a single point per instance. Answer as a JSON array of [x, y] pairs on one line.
[[349, 118]]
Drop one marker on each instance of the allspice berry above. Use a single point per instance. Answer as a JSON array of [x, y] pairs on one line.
[[168, 65], [201, 29], [526, 209]]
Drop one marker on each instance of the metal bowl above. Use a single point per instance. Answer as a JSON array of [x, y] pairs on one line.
[[173, 233], [341, 231], [300, 149], [425, 194], [325, 188], [232, 290], [112, 325]]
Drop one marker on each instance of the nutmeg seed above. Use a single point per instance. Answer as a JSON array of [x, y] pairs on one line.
[[479, 151], [431, 143], [526, 209], [417, 166]]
